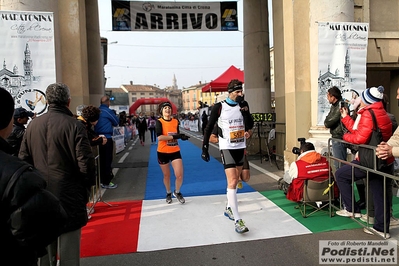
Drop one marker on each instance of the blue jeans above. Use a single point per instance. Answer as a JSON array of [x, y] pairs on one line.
[[339, 152]]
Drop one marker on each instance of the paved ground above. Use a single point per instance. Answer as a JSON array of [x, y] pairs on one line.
[[292, 250]]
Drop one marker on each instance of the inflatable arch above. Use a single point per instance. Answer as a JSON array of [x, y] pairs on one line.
[[139, 102]]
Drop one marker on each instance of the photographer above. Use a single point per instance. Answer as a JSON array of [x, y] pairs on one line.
[[309, 165]]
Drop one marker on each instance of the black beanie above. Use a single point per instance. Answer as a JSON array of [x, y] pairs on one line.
[[6, 108]]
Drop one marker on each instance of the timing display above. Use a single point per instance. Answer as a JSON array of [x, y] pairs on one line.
[[264, 117]]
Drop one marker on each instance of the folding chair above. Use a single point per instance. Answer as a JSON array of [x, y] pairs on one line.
[[316, 194]]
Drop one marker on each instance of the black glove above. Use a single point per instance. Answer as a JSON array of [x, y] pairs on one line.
[[180, 136], [205, 153], [184, 137], [244, 106], [177, 136]]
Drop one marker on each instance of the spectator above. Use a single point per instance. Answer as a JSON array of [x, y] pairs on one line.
[[31, 216], [152, 121], [204, 119], [104, 126], [333, 122], [309, 165], [385, 150], [359, 133], [141, 124], [57, 145], [21, 118], [89, 118], [122, 119]]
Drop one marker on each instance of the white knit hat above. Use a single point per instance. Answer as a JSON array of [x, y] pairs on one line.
[[372, 95]]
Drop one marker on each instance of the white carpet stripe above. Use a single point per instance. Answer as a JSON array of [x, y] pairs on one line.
[[200, 221]]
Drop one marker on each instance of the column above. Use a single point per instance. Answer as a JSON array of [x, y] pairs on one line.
[[257, 55], [295, 34], [95, 59]]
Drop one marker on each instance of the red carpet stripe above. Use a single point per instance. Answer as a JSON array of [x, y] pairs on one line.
[[112, 229]]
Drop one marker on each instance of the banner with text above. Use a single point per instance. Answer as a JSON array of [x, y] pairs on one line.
[[174, 16], [28, 57], [342, 62]]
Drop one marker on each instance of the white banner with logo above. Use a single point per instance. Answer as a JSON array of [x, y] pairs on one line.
[[174, 16], [342, 62], [119, 138], [28, 57]]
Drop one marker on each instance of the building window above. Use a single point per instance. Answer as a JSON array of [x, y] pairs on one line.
[[134, 99], [133, 93], [151, 93], [142, 93]]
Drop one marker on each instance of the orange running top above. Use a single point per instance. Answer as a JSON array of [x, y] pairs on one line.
[[169, 128]]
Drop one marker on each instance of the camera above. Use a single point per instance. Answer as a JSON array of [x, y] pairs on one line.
[[297, 150], [343, 104]]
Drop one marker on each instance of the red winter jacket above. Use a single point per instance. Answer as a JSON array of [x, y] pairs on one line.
[[362, 134]]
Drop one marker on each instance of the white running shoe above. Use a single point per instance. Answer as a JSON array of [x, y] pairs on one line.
[[368, 230], [345, 213]]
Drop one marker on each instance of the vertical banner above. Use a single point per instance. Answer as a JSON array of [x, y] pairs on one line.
[[174, 16], [28, 57], [342, 62]]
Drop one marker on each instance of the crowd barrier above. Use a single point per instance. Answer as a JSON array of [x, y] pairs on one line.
[[191, 125], [368, 171], [95, 191]]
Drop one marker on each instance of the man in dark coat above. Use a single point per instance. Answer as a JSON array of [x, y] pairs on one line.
[[56, 143], [31, 217], [21, 118], [333, 122]]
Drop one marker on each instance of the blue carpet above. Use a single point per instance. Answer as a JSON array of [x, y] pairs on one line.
[[200, 178]]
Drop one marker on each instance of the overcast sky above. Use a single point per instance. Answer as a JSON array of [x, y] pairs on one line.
[[153, 58]]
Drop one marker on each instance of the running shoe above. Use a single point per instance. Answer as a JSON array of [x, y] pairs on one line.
[[364, 219], [345, 213], [109, 186], [229, 213], [368, 230], [179, 197], [169, 198], [240, 227], [394, 221], [239, 185]]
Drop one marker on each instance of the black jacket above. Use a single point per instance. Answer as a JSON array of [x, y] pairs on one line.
[[94, 138], [141, 124], [31, 217], [333, 121], [15, 137], [56, 143]]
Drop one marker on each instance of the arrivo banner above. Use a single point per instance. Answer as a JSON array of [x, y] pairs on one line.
[[174, 16]]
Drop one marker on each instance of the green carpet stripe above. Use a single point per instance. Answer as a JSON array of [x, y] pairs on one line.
[[318, 222]]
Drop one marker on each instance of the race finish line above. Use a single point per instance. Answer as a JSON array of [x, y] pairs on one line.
[[174, 16]]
